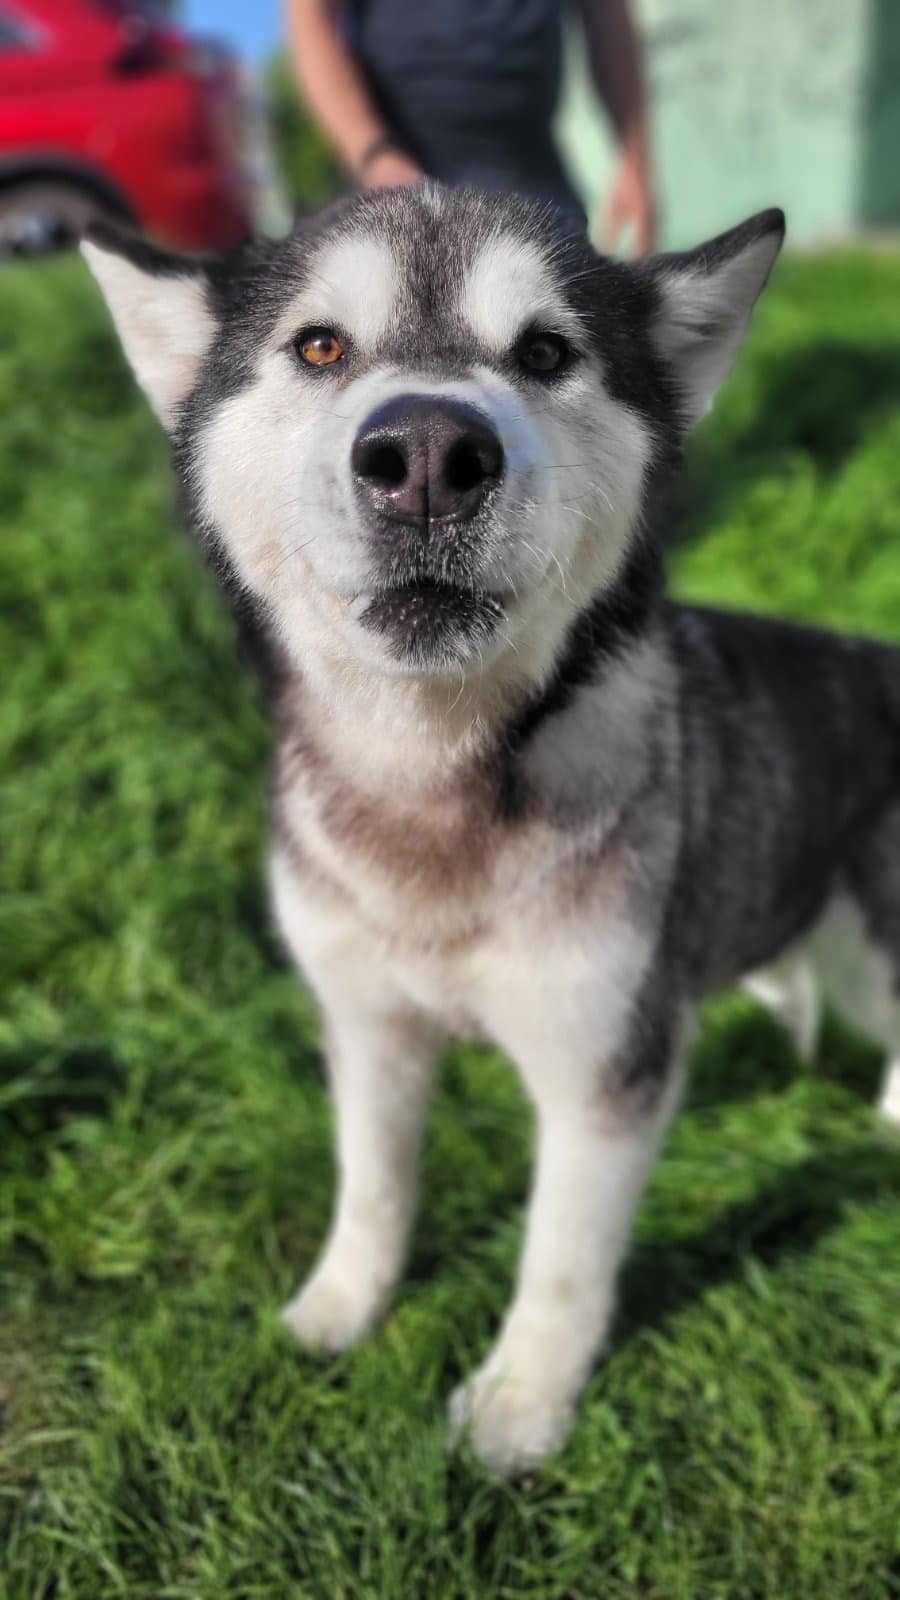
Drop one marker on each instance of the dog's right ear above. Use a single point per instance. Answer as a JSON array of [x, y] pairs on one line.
[[706, 298], [162, 308]]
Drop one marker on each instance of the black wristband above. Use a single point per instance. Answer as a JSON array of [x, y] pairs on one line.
[[377, 147]]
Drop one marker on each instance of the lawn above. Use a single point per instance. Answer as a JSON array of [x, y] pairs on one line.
[[166, 1166]]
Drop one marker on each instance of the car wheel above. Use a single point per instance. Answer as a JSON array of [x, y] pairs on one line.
[[42, 215]]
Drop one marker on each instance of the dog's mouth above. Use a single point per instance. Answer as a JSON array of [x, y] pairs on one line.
[[432, 623]]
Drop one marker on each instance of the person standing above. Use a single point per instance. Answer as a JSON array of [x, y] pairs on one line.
[[465, 91]]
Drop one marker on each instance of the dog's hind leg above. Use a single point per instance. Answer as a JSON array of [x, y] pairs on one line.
[[857, 949], [789, 989], [889, 1100], [858, 977]]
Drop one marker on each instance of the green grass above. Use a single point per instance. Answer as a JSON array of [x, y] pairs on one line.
[[166, 1167]]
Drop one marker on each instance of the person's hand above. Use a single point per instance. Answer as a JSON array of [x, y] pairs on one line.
[[391, 170], [630, 202]]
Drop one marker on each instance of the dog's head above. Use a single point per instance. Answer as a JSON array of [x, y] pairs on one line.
[[422, 431]]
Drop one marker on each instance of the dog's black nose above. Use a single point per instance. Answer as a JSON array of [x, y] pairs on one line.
[[420, 459]]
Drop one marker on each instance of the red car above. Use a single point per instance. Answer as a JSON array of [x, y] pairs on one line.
[[106, 106]]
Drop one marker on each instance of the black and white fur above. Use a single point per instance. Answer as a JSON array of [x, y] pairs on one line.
[[519, 794]]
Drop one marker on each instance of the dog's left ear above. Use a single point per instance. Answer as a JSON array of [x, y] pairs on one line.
[[706, 298], [161, 305]]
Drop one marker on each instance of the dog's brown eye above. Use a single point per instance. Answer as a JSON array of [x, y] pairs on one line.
[[542, 352], [319, 347]]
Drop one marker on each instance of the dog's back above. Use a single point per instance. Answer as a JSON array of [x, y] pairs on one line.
[[791, 809]]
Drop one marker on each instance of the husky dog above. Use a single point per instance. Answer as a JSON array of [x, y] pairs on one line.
[[518, 793]]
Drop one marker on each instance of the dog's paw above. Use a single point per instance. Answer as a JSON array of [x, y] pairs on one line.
[[512, 1424], [328, 1316]]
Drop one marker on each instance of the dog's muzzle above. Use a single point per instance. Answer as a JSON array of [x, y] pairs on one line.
[[425, 462]]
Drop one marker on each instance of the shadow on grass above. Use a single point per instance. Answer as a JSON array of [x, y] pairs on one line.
[[823, 399], [752, 1055], [820, 400], [747, 1057], [38, 1096], [784, 1219]]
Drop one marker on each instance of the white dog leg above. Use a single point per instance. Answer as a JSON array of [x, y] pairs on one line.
[[789, 989], [380, 1069], [590, 1173], [889, 1100]]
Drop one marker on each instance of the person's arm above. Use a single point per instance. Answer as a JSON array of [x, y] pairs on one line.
[[338, 97], [615, 60]]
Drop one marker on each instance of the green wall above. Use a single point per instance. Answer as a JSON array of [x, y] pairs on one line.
[[755, 103]]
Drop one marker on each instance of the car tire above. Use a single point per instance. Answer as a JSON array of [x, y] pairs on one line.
[[41, 215]]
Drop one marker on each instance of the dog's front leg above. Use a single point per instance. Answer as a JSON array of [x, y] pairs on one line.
[[593, 1156], [379, 1068]]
